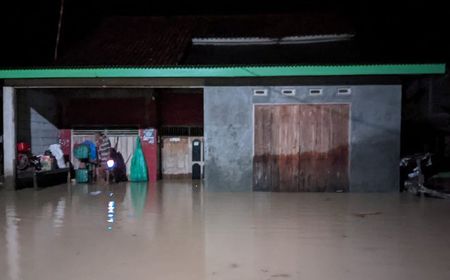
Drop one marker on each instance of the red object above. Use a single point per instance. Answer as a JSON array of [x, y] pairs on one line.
[[136, 111], [188, 108], [151, 154], [64, 140], [23, 147]]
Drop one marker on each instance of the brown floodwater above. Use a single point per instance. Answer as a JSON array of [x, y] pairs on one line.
[[175, 230]]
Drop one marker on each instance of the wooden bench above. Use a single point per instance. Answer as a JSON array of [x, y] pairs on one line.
[[40, 179]]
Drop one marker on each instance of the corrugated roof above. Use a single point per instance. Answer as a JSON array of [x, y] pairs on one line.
[[289, 40], [237, 71]]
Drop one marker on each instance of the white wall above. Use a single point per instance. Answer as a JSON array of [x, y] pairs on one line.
[[37, 119]]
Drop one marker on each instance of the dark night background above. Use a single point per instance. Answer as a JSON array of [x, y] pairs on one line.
[[416, 31]]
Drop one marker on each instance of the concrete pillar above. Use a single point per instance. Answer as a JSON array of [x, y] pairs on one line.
[[9, 137]]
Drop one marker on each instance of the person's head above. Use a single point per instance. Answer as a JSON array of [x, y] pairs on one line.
[[98, 137]]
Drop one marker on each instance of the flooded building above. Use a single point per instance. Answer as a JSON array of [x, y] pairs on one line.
[[287, 108]]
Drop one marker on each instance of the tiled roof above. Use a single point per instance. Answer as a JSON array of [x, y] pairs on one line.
[[153, 41], [121, 41], [130, 41]]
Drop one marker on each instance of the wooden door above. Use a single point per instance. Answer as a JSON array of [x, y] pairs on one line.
[[301, 148], [175, 157]]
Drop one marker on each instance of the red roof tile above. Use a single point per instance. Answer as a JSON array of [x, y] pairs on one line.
[[150, 41]]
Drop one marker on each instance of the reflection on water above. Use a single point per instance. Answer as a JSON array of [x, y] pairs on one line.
[[138, 197], [12, 243], [135, 194], [111, 214], [196, 185], [58, 220]]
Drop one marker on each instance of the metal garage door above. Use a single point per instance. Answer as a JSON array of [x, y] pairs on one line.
[[125, 139]]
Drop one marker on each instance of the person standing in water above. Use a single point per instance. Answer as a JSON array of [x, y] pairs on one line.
[[104, 154]]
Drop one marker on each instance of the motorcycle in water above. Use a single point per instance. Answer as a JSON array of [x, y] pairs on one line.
[[117, 167], [25, 159], [415, 180]]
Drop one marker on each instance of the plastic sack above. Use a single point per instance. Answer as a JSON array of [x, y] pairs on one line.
[[92, 149], [81, 151], [58, 154], [138, 172]]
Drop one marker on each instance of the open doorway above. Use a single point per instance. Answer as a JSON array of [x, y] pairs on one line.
[[181, 134], [70, 116]]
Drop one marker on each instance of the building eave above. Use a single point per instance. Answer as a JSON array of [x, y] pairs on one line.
[[224, 72]]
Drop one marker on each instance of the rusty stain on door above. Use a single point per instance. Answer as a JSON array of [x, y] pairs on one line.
[[301, 148]]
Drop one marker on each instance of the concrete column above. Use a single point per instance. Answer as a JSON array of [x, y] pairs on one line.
[[9, 136]]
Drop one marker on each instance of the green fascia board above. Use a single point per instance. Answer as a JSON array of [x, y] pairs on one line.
[[223, 72]]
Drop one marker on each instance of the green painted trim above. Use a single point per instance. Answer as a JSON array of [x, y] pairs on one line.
[[223, 72]]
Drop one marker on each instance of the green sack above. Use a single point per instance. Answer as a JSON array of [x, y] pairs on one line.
[[138, 172], [81, 151]]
